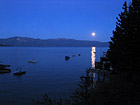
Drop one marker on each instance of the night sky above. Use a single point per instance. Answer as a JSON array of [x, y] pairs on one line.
[[74, 19]]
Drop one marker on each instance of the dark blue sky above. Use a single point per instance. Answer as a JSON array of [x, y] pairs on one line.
[[44, 19]]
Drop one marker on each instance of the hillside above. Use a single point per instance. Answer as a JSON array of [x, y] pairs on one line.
[[60, 42]]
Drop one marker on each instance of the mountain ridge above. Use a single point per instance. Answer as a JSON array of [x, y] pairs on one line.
[[57, 42]]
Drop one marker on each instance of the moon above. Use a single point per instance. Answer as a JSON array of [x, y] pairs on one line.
[[93, 33]]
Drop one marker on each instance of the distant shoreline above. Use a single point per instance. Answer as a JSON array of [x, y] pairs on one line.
[[51, 46], [62, 42]]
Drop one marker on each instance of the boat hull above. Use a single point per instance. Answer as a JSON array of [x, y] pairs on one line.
[[3, 66], [5, 70], [32, 61], [20, 73]]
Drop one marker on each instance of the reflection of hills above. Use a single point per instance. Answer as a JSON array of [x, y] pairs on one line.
[[60, 42]]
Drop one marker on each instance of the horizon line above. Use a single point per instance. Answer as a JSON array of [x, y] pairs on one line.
[[53, 38]]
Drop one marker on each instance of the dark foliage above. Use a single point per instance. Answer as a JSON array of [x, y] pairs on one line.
[[124, 47], [82, 94], [46, 100]]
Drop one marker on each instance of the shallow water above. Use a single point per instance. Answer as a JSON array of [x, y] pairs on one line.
[[52, 74]]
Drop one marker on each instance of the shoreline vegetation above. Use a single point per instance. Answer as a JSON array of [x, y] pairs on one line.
[[123, 87]]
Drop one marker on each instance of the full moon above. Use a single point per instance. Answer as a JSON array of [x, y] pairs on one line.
[[93, 34]]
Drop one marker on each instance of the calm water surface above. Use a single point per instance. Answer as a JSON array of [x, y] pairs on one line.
[[52, 74]]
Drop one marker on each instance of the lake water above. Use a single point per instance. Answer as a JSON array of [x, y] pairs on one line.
[[52, 74]]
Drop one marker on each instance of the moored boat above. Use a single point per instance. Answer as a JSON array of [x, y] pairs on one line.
[[19, 72], [32, 61], [79, 54], [67, 57], [73, 55], [3, 66], [4, 70]]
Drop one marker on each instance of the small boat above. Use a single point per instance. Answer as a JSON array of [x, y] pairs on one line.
[[19, 72], [79, 54], [73, 55], [3, 66], [32, 61], [67, 57], [4, 70]]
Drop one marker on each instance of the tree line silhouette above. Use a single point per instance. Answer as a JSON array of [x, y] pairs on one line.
[[124, 45]]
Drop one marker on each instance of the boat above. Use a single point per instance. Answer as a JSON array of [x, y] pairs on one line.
[[3, 66], [19, 72], [67, 57], [4, 70], [73, 55], [79, 54], [32, 61]]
